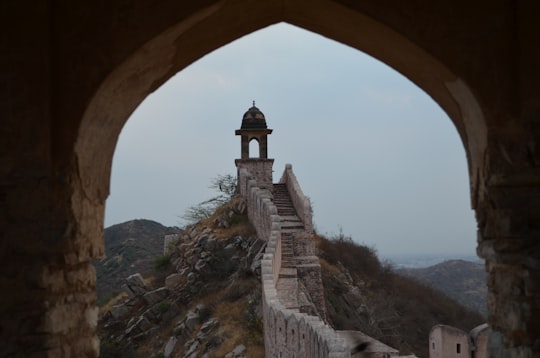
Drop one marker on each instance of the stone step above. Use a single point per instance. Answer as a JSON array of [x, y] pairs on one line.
[[284, 205], [286, 211], [291, 231], [288, 272], [295, 228], [288, 222], [288, 264]]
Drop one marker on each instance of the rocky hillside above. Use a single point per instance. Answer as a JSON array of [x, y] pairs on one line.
[[130, 247], [464, 281], [208, 300], [363, 294]]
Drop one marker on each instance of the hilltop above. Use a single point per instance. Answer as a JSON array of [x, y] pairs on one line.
[[209, 298], [130, 247]]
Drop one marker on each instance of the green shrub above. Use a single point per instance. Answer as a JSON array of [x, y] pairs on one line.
[[110, 349], [177, 331], [236, 219], [163, 307], [254, 320], [162, 263]]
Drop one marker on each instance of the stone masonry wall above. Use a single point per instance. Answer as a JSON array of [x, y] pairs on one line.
[[286, 333]]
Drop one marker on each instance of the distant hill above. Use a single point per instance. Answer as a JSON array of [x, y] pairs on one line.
[[464, 281], [130, 247]]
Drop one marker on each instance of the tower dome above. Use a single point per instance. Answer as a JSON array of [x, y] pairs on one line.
[[253, 119]]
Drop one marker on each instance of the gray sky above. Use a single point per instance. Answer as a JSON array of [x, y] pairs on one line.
[[376, 155]]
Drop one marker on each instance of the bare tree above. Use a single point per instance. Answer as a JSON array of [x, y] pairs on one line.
[[225, 185]]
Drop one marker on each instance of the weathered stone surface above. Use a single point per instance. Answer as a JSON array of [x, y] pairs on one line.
[[141, 325], [134, 285], [191, 320], [169, 243], [119, 310], [169, 347], [238, 352], [207, 327], [156, 295], [191, 348], [173, 280]]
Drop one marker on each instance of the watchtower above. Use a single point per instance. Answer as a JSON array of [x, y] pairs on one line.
[[254, 128]]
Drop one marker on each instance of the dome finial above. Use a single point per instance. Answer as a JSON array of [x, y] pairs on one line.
[[253, 103]]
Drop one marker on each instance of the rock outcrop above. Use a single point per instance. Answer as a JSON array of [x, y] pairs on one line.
[[203, 261]]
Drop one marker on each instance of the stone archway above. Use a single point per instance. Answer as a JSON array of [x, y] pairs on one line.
[[102, 62]]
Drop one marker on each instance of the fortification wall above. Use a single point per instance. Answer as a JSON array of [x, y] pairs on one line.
[[300, 201], [286, 333]]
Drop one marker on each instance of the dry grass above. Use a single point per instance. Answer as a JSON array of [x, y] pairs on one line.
[[240, 227], [243, 229], [232, 319], [113, 301], [326, 266]]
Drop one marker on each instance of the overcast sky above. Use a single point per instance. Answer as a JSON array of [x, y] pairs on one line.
[[376, 155]]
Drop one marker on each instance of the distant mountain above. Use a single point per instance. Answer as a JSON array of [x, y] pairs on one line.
[[130, 247], [416, 260], [464, 281]]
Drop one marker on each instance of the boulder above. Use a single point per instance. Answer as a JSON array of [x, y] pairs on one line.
[[173, 281], [141, 325], [201, 241], [211, 244], [118, 311], [152, 297], [191, 320], [169, 347], [134, 285], [202, 266], [207, 327], [238, 352], [191, 348], [191, 278]]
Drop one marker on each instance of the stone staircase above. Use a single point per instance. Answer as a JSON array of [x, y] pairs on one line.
[[287, 284], [290, 222]]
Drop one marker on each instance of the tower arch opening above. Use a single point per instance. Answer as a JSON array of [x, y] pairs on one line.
[[254, 148]]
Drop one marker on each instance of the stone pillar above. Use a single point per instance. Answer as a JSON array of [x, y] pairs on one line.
[[50, 226], [263, 146], [244, 142], [508, 217], [48, 306]]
